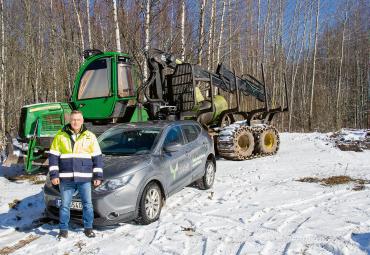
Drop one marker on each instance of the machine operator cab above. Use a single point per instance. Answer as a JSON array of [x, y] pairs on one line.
[[105, 87]]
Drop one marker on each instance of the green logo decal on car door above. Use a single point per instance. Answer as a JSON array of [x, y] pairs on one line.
[[174, 170]]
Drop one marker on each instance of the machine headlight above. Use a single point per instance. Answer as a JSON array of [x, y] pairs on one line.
[[113, 184]]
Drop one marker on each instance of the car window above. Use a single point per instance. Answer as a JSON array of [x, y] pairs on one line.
[[173, 136], [119, 141], [191, 132]]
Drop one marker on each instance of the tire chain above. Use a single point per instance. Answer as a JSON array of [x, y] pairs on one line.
[[226, 138]]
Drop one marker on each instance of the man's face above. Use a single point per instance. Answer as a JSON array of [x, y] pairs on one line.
[[76, 122]]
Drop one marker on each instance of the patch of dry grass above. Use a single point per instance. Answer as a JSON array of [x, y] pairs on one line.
[[14, 204], [34, 179], [18, 245], [337, 180]]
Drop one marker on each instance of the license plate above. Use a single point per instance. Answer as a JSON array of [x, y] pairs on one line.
[[74, 204]]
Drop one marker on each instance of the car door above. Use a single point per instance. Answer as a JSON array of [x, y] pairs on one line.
[[197, 149], [176, 165]]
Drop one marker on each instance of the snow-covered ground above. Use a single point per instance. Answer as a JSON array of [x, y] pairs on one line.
[[255, 207]]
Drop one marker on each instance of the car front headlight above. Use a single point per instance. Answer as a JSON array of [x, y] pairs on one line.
[[113, 184]]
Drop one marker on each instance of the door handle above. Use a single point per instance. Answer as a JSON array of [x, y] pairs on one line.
[[81, 105]]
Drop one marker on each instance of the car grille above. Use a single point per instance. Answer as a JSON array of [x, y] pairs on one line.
[[75, 214]]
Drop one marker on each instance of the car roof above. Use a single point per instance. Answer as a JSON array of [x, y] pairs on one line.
[[155, 124]]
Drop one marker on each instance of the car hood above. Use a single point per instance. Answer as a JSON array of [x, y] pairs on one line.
[[115, 166]]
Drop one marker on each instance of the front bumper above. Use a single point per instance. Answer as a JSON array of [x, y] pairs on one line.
[[109, 208]]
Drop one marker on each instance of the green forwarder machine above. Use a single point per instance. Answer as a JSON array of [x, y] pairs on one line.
[[106, 91]]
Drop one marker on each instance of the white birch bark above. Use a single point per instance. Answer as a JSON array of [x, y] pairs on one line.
[[147, 36], [52, 47], [183, 30], [258, 34], [115, 16], [314, 65], [201, 31], [2, 77], [79, 26], [338, 108], [211, 36], [230, 33], [221, 31], [88, 23], [294, 73]]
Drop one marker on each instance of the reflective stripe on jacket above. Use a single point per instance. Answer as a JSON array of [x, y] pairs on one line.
[[79, 160]]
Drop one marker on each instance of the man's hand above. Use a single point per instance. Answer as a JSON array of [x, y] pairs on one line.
[[55, 181], [97, 183]]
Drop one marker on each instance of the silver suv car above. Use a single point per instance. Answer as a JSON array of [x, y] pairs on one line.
[[145, 163]]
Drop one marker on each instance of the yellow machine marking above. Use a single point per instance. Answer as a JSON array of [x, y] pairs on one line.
[[49, 107]]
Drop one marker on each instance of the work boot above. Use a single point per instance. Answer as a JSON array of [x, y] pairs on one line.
[[89, 233], [63, 234]]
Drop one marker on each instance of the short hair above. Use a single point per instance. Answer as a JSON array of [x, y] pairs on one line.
[[76, 112]]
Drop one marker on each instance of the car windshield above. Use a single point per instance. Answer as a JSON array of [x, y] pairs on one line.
[[123, 141]]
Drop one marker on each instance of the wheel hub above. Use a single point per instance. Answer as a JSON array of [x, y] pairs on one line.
[[152, 203]]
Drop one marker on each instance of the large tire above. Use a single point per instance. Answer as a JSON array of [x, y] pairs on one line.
[[206, 182], [268, 141], [238, 144], [150, 205]]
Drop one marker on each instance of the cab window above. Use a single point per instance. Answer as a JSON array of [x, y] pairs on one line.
[[191, 132], [95, 81], [174, 136], [125, 81]]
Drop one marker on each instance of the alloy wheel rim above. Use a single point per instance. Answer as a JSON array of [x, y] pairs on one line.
[[210, 174], [152, 203]]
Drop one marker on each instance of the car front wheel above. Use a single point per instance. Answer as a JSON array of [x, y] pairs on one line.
[[150, 204], [206, 182]]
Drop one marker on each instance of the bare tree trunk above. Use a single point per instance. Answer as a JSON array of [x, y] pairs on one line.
[[211, 35], [183, 30], [338, 108], [118, 41], [314, 66], [147, 36], [201, 31], [265, 31], [221, 31], [79, 26], [52, 47], [2, 78], [230, 47], [88, 23], [294, 73], [258, 34], [102, 34]]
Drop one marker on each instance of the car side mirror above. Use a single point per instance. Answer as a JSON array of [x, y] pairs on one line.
[[172, 147]]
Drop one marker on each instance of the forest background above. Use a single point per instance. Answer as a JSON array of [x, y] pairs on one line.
[[323, 47]]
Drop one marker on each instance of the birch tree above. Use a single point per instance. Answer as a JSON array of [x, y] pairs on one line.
[[88, 23], [221, 31], [338, 108], [147, 36], [2, 78], [118, 41], [211, 35], [183, 30], [314, 65], [79, 26], [201, 31]]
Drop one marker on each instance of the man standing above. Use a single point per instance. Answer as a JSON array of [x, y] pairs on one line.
[[75, 160]]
